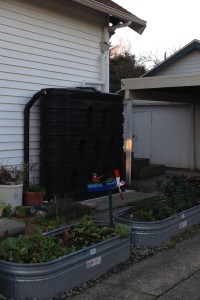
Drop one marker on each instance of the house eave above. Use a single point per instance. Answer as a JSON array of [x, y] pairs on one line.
[[137, 24], [161, 81]]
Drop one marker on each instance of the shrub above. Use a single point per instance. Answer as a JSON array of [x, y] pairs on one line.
[[179, 193]]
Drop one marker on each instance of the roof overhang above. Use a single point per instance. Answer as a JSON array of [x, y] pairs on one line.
[[137, 24], [178, 88]]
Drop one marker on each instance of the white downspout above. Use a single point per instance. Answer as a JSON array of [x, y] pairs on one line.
[[104, 82], [105, 77]]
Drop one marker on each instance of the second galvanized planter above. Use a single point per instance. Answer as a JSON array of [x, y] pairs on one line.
[[155, 233], [46, 280]]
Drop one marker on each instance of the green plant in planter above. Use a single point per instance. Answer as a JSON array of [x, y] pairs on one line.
[[85, 232], [176, 195], [150, 210], [40, 248], [122, 230], [22, 211], [7, 212], [32, 249], [33, 194], [50, 223], [32, 187], [5, 209]]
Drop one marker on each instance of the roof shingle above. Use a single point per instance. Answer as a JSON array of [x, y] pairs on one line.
[[114, 5], [114, 10]]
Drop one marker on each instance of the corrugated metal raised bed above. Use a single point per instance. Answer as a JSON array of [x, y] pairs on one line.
[[46, 280], [156, 233]]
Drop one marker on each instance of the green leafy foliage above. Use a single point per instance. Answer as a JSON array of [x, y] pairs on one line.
[[176, 195], [32, 249], [39, 248], [151, 210], [85, 232], [32, 187], [122, 230], [7, 211], [179, 193], [50, 222]]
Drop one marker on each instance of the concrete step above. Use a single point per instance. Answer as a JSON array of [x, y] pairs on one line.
[[11, 227], [147, 171], [129, 196], [140, 162]]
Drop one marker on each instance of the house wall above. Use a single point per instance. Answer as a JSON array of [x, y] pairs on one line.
[[43, 44], [187, 64]]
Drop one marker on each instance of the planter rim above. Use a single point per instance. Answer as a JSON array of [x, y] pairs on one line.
[[119, 216], [11, 185], [27, 192]]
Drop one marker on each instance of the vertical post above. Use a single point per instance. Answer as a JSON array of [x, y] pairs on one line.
[[193, 138], [129, 138], [110, 208]]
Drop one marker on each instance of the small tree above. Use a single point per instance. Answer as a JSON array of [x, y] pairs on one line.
[[124, 66]]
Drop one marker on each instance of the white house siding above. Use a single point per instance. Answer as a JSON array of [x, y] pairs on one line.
[[170, 134], [43, 44], [187, 64]]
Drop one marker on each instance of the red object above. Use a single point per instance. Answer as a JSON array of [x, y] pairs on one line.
[[117, 176], [116, 173], [33, 198], [95, 178]]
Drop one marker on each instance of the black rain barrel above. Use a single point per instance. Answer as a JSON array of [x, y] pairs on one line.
[[81, 133]]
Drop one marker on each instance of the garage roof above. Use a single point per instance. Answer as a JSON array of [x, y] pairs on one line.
[[173, 88]]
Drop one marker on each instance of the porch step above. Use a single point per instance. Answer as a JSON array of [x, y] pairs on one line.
[[149, 170], [140, 162]]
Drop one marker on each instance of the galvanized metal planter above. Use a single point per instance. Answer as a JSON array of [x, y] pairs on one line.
[[156, 233], [46, 280]]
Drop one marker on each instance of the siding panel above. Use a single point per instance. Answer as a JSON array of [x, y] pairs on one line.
[[43, 44], [187, 64]]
